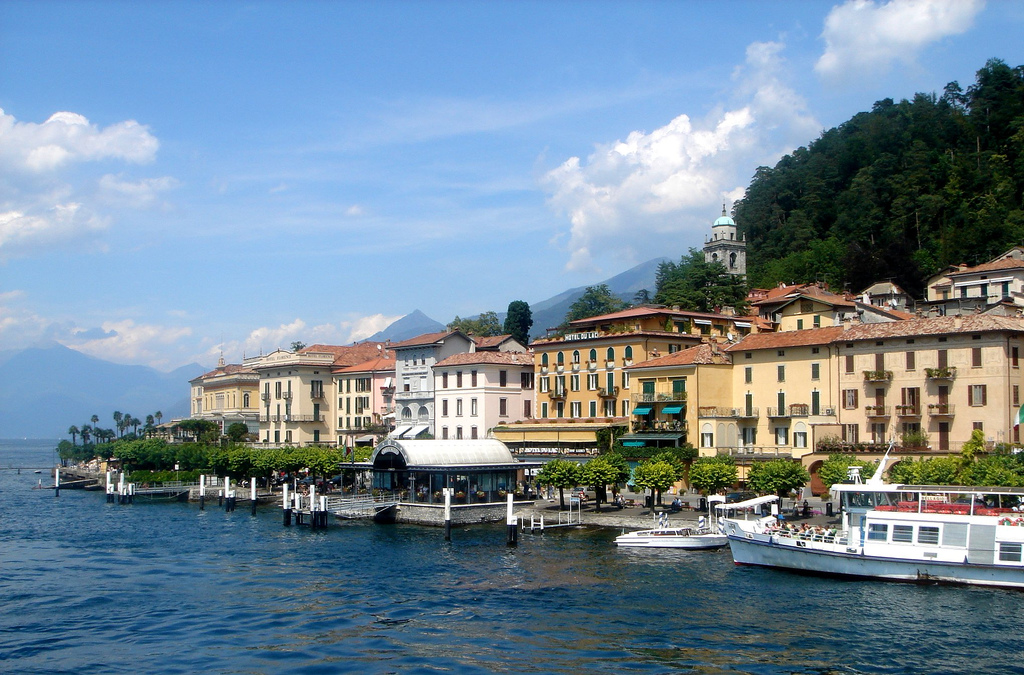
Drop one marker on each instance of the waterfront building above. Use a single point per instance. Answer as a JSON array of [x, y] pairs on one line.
[[725, 246], [414, 377], [803, 306], [366, 395], [297, 390], [227, 394], [480, 473], [476, 391], [663, 389], [962, 289]]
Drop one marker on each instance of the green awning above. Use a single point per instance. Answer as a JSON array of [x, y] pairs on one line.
[[672, 409], [642, 410], [634, 444]]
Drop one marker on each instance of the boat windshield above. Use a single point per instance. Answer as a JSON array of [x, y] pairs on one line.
[[869, 500]]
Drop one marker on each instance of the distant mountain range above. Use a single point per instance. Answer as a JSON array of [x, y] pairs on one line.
[[44, 390]]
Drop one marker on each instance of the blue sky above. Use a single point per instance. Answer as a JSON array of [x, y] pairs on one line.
[[179, 179]]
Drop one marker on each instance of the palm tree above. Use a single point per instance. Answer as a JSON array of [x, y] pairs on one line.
[[117, 420], [149, 428], [159, 416], [86, 431], [73, 430], [135, 422], [94, 419]]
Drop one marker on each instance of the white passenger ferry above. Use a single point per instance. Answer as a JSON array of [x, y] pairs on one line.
[[919, 533]]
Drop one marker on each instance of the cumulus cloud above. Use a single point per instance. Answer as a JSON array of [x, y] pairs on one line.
[[672, 181], [20, 230], [127, 342], [68, 137], [864, 37], [266, 339], [139, 194]]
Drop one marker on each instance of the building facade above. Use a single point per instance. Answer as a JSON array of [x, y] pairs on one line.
[[227, 394], [476, 391], [366, 400], [726, 247]]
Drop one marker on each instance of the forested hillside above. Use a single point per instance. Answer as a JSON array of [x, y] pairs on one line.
[[898, 192]]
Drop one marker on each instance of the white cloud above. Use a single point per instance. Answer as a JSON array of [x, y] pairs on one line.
[[127, 342], [354, 211], [133, 194], [69, 137], [864, 37], [20, 230], [672, 180]]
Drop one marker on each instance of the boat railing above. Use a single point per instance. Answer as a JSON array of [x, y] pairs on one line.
[[828, 537]]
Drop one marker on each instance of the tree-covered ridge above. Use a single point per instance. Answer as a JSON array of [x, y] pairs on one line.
[[898, 192]]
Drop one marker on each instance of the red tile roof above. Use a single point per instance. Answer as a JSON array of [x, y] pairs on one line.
[[643, 311], [228, 369], [702, 354], [376, 365], [491, 341], [1002, 264], [347, 355], [426, 339], [789, 338], [483, 358]]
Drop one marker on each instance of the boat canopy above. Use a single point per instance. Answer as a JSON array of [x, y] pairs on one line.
[[748, 504]]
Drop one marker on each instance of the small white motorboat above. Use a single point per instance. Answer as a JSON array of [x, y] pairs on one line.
[[674, 537]]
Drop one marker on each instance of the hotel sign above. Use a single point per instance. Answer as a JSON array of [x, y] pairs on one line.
[[590, 335]]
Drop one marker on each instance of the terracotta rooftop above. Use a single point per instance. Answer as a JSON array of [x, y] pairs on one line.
[[488, 357], [783, 295], [789, 338], [941, 325], [491, 341], [229, 369], [347, 355], [375, 365], [637, 312], [995, 265], [702, 354], [425, 339]]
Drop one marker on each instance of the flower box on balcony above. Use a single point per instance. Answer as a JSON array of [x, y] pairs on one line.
[[877, 375]]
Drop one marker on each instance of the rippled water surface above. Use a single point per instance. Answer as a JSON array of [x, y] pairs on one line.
[[92, 587]]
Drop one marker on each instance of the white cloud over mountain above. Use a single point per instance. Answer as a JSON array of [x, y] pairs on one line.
[[864, 38], [673, 180]]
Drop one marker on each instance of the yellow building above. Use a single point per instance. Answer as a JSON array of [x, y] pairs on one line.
[[227, 394]]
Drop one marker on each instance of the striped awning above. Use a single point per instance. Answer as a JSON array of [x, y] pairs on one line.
[[642, 410], [672, 409]]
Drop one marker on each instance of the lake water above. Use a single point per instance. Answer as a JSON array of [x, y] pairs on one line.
[[91, 587]]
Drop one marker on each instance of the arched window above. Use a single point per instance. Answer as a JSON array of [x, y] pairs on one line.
[[593, 355], [424, 413], [629, 353], [611, 353], [561, 359], [544, 359], [407, 413], [245, 400], [576, 356]]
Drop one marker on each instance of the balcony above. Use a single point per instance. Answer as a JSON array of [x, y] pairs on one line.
[[876, 411], [799, 410], [778, 412], [913, 410], [877, 375], [604, 392], [720, 411], [287, 395], [749, 413], [543, 370], [609, 364], [557, 395], [414, 395], [947, 373], [752, 452], [575, 367], [664, 396], [316, 393], [940, 409], [591, 366], [305, 418], [265, 396]]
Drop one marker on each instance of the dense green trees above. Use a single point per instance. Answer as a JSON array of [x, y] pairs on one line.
[[560, 473], [485, 325], [596, 300], [697, 285], [601, 472], [777, 476], [519, 321], [711, 474], [897, 192]]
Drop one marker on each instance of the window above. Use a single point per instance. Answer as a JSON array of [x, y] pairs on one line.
[[444, 380], [911, 360], [851, 433], [781, 352], [849, 399], [625, 380], [609, 407], [544, 359], [1009, 552], [527, 409], [472, 407], [458, 379], [748, 375], [815, 402], [815, 371], [943, 356], [628, 354], [503, 407], [444, 433], [472, 378], [592, 382], [502, 378], [576, 409], [977, 395], [878, 532], [625, 408], [799, 324], [781, 435], [526, 380], [576, 356], [799, 439], [245, 400], [611, 354], [560, 409], [593, 408], [928, 535], [593, 355], [849, 363], [782, 373], [975, 357], [817, 321], [545, 384], [1015, 357], [544, 410], [781, 399], [560, 384], [1016, 394], [458, 433], [574, 382], [560, 359], [458, 407], [903, 534], [707, 437], [880, 361], [472, 432]]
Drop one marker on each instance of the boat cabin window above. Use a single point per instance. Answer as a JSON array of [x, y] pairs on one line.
[[1009, 552], [903, 533], [928, 535], [878, 532], [868, 499]]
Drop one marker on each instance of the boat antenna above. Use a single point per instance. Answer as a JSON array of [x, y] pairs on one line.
[[876, 479]]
